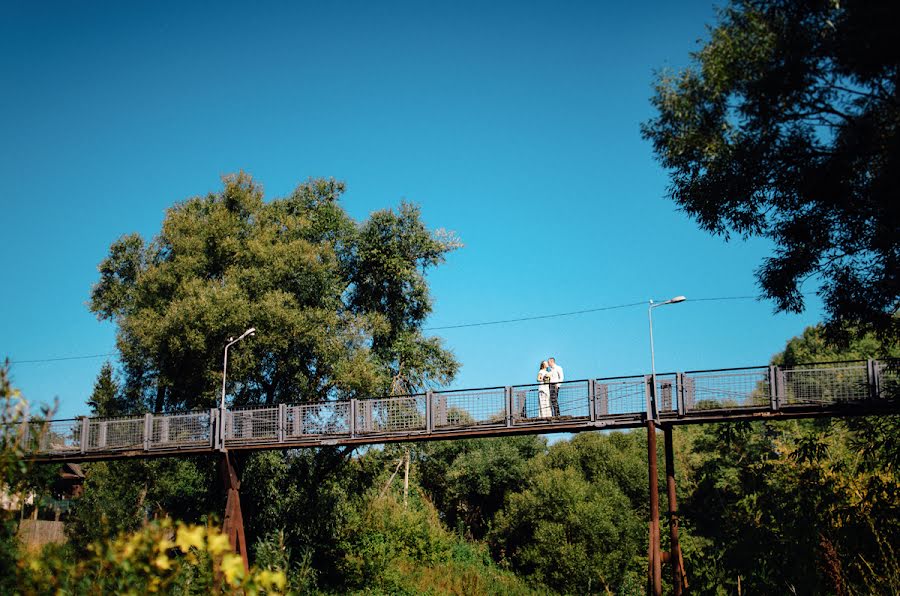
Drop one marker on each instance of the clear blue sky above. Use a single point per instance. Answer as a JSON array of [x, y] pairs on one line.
[[514, 124]]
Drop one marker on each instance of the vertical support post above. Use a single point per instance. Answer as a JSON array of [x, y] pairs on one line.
[[221, 417], [592, 399], [282, 422], [148, 430], [679, 381], [297, 429], [163, 429], [650, 392], [101, 438], [509, 406], [85, 427], [429, 411], [773, 388], [601, 399], [352, 424], [678, 575], [233, 526], [873, 377], [655, 567], [213, 428]]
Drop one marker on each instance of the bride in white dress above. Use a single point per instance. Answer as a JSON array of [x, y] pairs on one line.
[[543, 378]]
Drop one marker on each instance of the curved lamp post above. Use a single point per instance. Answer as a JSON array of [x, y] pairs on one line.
[[653, 305], [652, 417], [231, 342]]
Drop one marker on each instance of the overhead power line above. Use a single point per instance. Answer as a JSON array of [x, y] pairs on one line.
[[85, 357], [444, 327], [577, 312], [535, 318]]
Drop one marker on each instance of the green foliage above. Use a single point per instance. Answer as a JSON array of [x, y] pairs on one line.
[[572, 528], [809, 506], [814, 345], [106, 399], [158, 558], [469, 480], [338, 305], [16, 474], [120, 496], [787, 126]]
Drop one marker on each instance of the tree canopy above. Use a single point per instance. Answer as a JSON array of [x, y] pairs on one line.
[[786, 125], [338, 305]]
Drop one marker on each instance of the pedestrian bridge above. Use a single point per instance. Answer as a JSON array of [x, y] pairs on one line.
[[703, 396]]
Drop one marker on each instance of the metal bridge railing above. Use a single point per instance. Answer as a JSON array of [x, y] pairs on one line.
[[726, 389], [620, 395], [698, 394], [469, 408]]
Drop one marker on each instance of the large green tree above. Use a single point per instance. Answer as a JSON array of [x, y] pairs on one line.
[[807, 506], [338, 305], [786, 125]]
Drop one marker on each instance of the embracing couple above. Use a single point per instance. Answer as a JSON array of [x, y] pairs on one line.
[[550, 375]]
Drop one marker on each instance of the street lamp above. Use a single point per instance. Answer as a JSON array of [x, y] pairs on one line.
[[652, 417], [231, 342], [653, 305]]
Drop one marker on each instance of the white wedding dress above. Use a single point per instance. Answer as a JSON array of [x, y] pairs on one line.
[[543, 396]]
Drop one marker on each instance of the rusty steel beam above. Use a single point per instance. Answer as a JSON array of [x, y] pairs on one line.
[[655, 562], [679, 578], [233, 525]]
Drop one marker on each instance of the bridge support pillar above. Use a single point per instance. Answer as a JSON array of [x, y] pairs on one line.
[[679, 578], [654, 570], [233, 527]]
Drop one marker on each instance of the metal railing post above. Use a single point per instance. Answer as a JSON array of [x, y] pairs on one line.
[[509, 406], [85, 426], [352, 424], [148, 430], [101, 434], [224, 418], [429, 411], [679, 382], [592, 399], [282, 422], [650, 392], [773, 388], [873, 375], [601, 399]]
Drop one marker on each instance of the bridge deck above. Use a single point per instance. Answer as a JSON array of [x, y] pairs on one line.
[[754, 393]]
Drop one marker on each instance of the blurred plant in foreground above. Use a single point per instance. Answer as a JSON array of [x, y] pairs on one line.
[[159, 558]]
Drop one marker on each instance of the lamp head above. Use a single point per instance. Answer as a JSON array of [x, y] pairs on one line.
[[677, 299]]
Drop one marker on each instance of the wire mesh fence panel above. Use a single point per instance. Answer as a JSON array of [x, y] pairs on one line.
[[531, 402], [469, 407], [666, 393], [825, 384], [574, 399], [251, 425], [390, 414], [620, 396], [56, 436], [726, 389], [324, 419], [115, 433], [178, 430]]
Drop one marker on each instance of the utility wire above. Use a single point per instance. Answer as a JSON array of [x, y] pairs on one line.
[[62, 358], [443, 327], [535, 318], [578, 312]]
